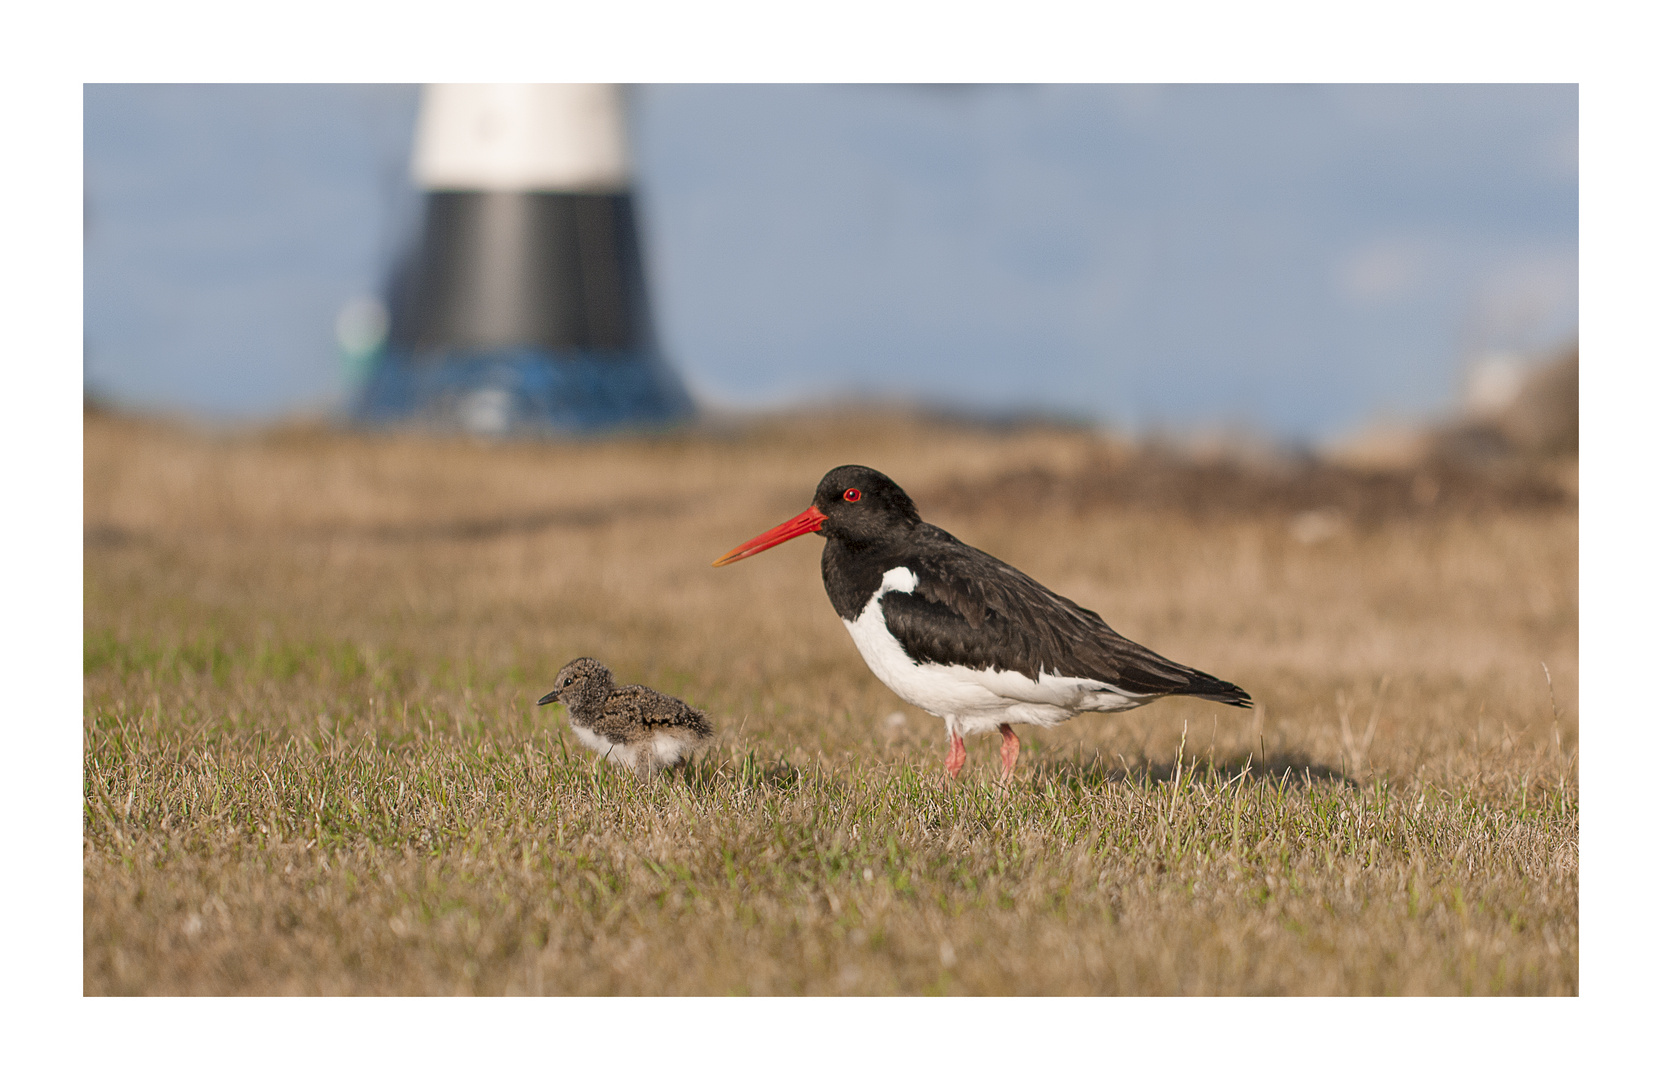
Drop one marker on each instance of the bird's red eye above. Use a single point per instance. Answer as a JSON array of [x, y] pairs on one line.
[[851, 495]]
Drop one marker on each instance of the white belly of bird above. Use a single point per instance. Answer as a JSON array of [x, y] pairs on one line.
[[661, 751], [973, 700]]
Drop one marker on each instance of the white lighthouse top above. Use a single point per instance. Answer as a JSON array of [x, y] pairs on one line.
[[521, 137]]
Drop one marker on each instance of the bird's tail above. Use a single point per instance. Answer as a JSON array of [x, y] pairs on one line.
[[1207, 688]]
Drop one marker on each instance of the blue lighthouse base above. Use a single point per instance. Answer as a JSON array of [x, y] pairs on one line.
[[524, 390]]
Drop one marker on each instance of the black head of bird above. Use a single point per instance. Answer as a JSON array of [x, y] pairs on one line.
[[854, 504]]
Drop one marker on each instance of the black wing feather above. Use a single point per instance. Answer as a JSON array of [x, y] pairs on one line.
[[970, 608]]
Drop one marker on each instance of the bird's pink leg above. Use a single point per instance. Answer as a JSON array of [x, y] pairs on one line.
[[1008, 751], [955, 755]]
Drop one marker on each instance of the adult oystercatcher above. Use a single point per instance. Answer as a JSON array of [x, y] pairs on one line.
[[634, 727], [962, 635]]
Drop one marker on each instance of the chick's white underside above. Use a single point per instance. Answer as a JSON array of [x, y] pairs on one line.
[[661, 751]]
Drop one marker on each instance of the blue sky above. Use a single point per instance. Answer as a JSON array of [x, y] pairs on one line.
[[1294, 259]]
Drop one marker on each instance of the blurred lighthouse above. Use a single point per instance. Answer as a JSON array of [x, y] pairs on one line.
[[524, 305]]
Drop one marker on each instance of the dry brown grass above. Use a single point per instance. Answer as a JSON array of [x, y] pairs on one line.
[[312, 764]]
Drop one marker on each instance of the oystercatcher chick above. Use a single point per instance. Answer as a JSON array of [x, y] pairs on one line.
[[962, 635], [634, 727]]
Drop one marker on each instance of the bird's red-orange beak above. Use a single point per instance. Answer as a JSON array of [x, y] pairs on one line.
[[806, 522]]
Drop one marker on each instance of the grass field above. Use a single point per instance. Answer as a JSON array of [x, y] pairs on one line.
[[312, 764]]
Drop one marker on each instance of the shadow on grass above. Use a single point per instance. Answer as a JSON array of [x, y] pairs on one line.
[[1292, 769], [708, 771], [1288, 768]]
